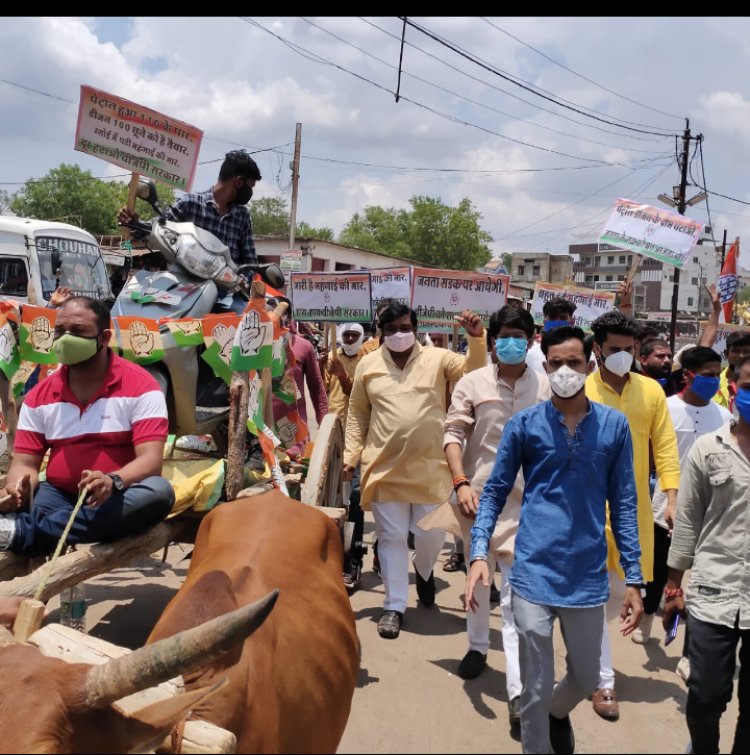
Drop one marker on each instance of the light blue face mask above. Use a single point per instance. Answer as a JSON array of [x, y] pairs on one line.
[[511, 350]]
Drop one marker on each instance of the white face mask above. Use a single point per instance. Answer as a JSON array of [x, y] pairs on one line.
[[351, 349], [399, 342], [566, 382], [619, 363]]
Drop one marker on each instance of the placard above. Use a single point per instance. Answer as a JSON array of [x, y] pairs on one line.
[[331, 297], [589, 303]]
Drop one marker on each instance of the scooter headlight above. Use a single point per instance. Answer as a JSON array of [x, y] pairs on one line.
[[197, 260]]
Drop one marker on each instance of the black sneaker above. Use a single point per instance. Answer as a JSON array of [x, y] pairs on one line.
[[514, 713], [561, 735], [353, 577], [426, 590], [472, 665]]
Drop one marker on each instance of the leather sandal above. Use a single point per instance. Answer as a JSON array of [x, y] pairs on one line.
[[454, 562], [389, 624]]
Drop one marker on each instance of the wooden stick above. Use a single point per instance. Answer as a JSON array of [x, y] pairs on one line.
[[132, 193], [28, 619], [637, 259]]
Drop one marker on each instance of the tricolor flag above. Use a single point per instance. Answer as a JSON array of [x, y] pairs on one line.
[[186, 332], [728, 280], [252, 348], [218, 335], [37, 334], [141, 340], [10, 355]]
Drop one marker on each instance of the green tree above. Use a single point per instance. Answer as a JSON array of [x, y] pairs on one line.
[[743, 294], [70, 194], [320, 234], [432, 233], [270, 216]]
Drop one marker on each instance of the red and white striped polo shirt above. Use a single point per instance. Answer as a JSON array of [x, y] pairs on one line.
[[129, 409]]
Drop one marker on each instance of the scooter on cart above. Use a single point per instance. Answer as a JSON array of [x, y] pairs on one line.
[[200, 278]]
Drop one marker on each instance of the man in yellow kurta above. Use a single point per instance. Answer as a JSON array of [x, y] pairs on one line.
[[643, 402], [396, 414], [339, 379]]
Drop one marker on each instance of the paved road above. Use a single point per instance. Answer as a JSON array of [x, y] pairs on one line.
[[409, 698]]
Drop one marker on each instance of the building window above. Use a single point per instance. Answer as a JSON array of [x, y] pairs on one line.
[[694, 282], [587, 260], [690, 301], [620, 277], [622, 259], [611, 260], [589, 279], [597, 260], [596, 279], [608, 278], [695, 260], [521, 269], [536, 270]]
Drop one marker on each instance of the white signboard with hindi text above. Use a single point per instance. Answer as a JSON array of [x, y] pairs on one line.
[[588, 302], [137, 138], [331, 297], [720, 344], [652, 232], [290, 261], [391, 283], [438, 296]]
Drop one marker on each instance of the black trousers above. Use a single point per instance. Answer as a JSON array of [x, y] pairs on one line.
[[713, 656], [655, 589]]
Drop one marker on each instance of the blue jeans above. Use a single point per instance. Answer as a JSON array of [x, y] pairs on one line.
[[141, 506]]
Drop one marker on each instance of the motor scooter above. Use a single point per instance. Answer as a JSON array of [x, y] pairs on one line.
[[200, 274]]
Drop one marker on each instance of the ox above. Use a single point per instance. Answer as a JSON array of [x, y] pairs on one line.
[[290, 682]]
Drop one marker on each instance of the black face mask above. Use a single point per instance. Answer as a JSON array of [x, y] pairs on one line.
[[243, 195]]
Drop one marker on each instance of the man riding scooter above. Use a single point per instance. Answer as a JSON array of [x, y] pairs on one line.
[[221, 211]]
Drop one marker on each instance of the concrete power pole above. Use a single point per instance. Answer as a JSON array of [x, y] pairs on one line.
[[295, 184], [681, 204]]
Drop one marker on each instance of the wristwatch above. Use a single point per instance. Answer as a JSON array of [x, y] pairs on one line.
[[117, 482]]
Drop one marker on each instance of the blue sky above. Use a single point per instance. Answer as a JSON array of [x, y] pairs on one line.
[[543, 175]]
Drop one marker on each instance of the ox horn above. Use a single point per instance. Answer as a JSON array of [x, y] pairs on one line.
[[167, 658]]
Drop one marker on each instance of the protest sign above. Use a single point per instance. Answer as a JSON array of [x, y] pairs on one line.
[[437, 296], [720, 344], [137, 138], [391, 283], [589, 303], [290, 261], [652, 232], [333, 297]]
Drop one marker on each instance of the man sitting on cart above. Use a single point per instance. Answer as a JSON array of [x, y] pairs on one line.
[[104, 422]]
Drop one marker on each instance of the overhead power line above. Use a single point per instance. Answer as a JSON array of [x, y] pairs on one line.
[[510, 94], [318, 58], [468, 99], [575, 73], [519, 83]]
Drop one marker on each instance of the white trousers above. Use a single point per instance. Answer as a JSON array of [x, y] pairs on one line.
[[606, 665], [478, 628], [392, 524]]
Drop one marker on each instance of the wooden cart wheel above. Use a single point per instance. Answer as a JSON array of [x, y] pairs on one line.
[[324, 485]]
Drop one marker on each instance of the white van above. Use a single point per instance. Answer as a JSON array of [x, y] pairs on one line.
[[37, 256]]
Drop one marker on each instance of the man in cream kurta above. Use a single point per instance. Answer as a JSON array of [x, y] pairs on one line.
[[395, 422]]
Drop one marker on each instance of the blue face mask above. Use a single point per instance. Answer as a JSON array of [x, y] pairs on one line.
[[742, 403], [555, 324], [511, 350], [705, 387], [662, 382]]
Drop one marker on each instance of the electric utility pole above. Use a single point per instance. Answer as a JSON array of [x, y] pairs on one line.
[[681, 204], [295, 184]]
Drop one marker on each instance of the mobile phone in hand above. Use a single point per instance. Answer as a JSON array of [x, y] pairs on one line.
[[672, 631]]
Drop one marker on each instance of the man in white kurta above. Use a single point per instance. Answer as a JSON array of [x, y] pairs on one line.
[[396, 413]]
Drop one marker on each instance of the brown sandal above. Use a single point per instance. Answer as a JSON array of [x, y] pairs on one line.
[[454, 562]]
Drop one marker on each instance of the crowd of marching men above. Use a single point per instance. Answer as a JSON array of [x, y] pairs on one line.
[[578, 466]]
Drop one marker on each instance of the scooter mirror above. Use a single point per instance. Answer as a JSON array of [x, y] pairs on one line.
[[147, 192], [272, 275]]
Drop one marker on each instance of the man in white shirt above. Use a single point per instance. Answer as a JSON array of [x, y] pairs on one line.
[[693, 414], [557, 311]]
